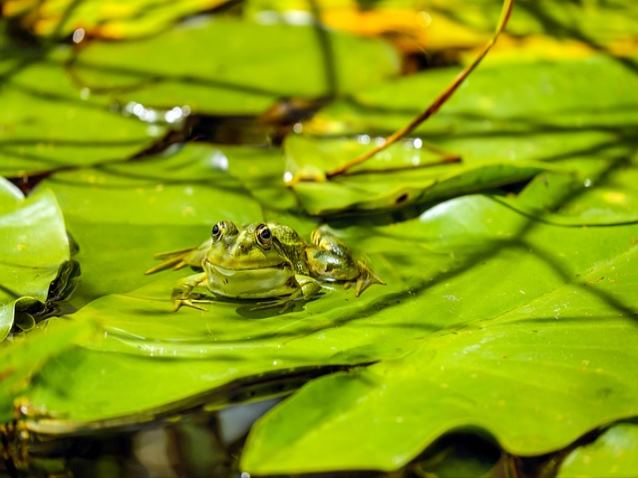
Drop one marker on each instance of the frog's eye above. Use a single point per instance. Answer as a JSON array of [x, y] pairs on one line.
[[218, 230], [223, 228], [264, 236]]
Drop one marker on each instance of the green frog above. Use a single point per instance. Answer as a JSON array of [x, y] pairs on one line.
[[264, 261]]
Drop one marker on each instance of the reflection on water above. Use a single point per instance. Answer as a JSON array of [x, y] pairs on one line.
[[201, 444]]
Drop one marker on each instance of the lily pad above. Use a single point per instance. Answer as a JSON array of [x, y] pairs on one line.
[[550, 364], [537, 28], [483, 124], [403, 175], [613, 454], [256, 66], [34, 246], [48, 123], [436, 301]]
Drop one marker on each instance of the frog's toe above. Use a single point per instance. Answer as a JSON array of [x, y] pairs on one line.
[[366, 278], [179, 303]]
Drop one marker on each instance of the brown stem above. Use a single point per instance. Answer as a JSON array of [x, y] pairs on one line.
[[436, 104]]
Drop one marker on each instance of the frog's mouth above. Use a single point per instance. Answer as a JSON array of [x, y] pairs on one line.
[[229, 272]]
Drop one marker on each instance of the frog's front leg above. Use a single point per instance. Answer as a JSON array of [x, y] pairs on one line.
[[308, 286], [183, 291]]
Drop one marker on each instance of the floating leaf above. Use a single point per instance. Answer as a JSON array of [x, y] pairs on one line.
[[613, 454], [256, 66], [33, 245], [537, 29], [435, 300], [483, 124], [47, 123], [402, 175], [548, 362]]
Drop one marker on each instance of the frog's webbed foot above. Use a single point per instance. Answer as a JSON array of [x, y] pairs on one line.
[[192, 303], [366, 278], [183, 295]]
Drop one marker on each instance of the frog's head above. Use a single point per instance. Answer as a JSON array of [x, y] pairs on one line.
[[247, 262], [246, 248]]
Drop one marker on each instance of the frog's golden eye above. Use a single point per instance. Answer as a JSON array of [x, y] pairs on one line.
[[263, 235]]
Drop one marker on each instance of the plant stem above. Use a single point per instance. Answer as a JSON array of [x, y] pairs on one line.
[[438, 101]]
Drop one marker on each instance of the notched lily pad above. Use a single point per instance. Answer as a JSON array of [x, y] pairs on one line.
[[406, 174], [34, 258]]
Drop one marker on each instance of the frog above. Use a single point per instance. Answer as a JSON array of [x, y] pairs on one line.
[[266, 261]]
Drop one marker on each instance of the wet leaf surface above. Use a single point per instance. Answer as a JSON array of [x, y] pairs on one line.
[[33, 245], [484, 125], [25, 355], [48, 123]]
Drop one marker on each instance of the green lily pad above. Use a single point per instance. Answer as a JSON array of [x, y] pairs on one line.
[[48, 123], [550, 365], [613, 454], [598, 25], [403, 175], [34, 246], [438, 269], [483, 124], [256, 66], [531, 361]]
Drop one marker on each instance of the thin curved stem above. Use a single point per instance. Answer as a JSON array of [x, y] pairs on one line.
[[438, 101]]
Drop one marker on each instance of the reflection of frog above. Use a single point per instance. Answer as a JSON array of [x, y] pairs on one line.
[[264, 261]]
